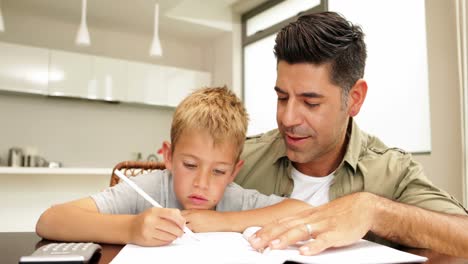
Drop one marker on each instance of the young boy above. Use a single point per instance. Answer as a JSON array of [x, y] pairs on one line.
[[207, 134]]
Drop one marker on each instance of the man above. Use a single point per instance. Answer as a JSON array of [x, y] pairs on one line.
[[318, 154]]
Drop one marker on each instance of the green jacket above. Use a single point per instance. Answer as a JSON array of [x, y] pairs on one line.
[[368, 165]]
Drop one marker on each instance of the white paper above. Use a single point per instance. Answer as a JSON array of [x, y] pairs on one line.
[[230, 247]]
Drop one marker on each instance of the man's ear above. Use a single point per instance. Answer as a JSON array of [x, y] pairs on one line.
[[356, 97], [167, 154], [237, 168]]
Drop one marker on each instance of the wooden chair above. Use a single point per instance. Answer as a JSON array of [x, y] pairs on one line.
[[134, 168]]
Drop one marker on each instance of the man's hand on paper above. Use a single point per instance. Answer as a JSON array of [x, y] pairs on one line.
[[338, 223], [204, 220], [156, 227]]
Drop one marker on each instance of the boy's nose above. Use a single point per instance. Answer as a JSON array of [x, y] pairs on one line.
[[202, 180]]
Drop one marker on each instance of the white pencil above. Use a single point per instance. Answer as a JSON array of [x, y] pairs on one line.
[[148, 198]]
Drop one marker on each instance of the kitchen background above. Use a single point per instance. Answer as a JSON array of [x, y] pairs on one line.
[[84, 133], [88, 137]]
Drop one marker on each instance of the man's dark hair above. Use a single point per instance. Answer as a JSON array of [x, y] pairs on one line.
[[322, 38]]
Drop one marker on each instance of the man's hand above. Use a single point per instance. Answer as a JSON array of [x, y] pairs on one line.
[[156, 227], [205, 220], [338, 223]]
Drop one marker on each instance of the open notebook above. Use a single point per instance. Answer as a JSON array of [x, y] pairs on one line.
[[230, 247]]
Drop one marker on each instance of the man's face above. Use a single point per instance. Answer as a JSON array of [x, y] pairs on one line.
[[201, 170], [310, 113]]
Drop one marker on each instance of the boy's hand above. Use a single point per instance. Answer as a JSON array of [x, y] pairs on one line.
[[205, 220], [156, 227]]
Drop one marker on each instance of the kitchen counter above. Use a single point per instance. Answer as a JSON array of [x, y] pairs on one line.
[[27, 192], [55, 171]]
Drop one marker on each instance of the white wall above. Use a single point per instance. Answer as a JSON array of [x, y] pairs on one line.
[[225, 55], [444, 164], [81, 133], [222, 60]]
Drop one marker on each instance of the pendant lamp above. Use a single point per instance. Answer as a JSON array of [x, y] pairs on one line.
[[82, 37], [156, 49]]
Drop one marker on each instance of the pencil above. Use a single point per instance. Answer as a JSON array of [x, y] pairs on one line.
[[148, 198]]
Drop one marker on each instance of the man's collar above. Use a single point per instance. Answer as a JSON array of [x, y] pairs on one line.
[[354, 142], [353, 149], [280, 147]]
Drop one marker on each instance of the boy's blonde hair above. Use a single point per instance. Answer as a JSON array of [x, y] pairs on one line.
[[215, 110]]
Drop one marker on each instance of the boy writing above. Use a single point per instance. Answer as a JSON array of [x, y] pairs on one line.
[[207, 136]]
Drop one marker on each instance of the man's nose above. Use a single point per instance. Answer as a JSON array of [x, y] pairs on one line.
[[291, 115]]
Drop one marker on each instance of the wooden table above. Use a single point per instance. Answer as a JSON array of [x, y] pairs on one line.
[[15, 245]]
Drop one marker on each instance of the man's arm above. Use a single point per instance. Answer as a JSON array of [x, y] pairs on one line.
[[80, 221], [238, 221], [415, 227], [347, 219]]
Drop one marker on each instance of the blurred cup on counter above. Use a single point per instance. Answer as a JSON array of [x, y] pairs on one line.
[[30, 156], [29, 161], [15, 157]]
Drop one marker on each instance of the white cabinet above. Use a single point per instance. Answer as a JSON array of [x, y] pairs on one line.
[[87, 76], [162, 85], [76, 74], [68, 74], [109, 79], [181, 82], [23, 68], [145, 84]]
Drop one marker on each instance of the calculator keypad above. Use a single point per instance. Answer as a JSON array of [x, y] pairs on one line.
[[62, 253]]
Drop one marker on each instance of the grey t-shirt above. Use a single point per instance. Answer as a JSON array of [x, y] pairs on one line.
[[122, 199]]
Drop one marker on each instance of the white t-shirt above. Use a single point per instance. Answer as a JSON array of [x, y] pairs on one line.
[[310, 189]]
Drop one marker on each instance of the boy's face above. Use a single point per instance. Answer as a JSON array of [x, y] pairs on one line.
[[200, 169]]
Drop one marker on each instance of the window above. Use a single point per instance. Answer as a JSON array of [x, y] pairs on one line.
[[397, 105]]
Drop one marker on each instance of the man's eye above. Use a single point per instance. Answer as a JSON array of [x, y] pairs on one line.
[[311, 105], [282, 98]]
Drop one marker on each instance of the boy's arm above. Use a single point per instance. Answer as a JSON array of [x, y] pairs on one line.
[[213, 221], [80, 220]]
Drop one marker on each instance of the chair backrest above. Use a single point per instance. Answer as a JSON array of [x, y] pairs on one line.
[[134, 168]]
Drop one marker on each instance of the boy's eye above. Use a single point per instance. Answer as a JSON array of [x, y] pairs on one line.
[[219, 172], [190, 165]]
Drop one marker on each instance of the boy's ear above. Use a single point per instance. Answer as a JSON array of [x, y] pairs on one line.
[[237, 168], [167, 154]]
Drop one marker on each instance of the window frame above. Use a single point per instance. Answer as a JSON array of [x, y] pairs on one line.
[[259, 35]]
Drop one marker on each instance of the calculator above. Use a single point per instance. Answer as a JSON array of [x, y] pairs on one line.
[[63, 253]]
